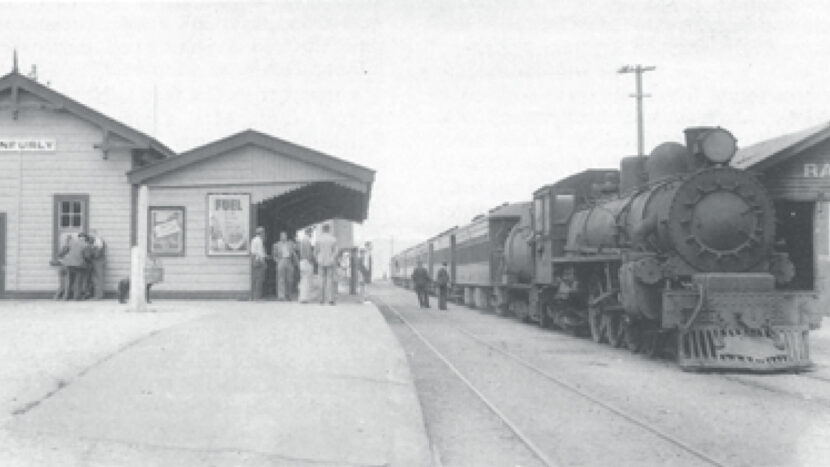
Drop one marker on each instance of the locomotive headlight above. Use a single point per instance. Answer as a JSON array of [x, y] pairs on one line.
[[717, 145]]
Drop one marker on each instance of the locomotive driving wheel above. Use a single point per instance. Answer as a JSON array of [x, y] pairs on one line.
[[632, 335], [614, 328], [596, 323]]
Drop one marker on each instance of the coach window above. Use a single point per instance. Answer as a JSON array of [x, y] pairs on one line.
[[71, 216]]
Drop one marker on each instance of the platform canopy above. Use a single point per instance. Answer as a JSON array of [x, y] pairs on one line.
[[298, 185]]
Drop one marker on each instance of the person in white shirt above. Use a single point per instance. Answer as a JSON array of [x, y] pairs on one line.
[[306, 252], [258, 264], [326, 250], [99, 262]]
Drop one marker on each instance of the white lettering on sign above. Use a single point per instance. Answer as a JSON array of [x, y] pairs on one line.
[[27, 145], [816, 170]]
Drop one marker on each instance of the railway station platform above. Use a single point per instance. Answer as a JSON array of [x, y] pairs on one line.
[[205, 383]]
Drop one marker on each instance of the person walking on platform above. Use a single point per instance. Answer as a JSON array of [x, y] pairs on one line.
[[284, 254], [326, 250], [442, 279], [258, 265], [306, 254], [99, 262], [420, 277]]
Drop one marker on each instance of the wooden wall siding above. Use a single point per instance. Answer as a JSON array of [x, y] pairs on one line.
[[196, 271], [787, 179], [249, 164], [30, 180], [9, 189]]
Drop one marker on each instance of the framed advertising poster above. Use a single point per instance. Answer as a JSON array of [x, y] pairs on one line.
[[228, 226], [166, 233]]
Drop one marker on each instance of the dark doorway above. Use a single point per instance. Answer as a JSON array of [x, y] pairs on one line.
[[267, 217], [794, 236], [2, 254]]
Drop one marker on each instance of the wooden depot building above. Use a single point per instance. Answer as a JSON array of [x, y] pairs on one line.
[[795, 169], [66, 168]]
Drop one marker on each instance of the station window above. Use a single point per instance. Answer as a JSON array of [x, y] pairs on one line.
[[71, 217]]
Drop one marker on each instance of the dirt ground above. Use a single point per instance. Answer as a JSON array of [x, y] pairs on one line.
[[693, 418]]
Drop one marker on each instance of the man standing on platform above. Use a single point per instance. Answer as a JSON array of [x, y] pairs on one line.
[[99, 262], [75, 264], [326, 250], [258, 265], [367, 262], [306, 267], [285, 257], [442, 278], [420, 277]]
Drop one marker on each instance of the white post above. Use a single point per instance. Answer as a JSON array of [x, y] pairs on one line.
[[138, 254]]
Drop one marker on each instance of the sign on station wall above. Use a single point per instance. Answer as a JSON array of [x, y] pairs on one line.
[[27, 144], [229, 223]]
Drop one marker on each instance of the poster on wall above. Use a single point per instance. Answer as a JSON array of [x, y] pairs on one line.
[[166, 231], [228, 224]]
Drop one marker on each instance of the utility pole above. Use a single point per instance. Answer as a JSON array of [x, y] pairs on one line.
[[638, 71]]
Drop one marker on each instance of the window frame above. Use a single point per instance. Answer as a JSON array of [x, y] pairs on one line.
[[59, 198]]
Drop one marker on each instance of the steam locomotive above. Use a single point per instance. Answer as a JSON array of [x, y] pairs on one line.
[[672, 253]]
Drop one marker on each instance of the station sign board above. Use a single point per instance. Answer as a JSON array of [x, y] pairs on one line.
[[27, 144]]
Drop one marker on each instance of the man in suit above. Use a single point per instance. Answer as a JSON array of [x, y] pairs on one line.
[[326, 250], [420, 277], [442, 279], [75, 264], [285, 255]]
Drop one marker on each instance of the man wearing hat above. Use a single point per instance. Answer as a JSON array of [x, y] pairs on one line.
[[258, 265], [442, 278]]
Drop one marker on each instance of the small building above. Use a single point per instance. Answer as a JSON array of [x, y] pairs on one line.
[[66, 168], [795, 169]]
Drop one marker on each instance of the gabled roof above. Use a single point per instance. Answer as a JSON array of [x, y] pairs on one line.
[[772, 151], [15, 82], [251, 137]]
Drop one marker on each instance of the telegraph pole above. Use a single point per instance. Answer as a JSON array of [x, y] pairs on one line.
[[638, 71]]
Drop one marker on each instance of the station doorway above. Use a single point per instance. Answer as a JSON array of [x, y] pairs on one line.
[[794, 236]]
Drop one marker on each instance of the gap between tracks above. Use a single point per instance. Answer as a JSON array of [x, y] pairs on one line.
[[559, 382]]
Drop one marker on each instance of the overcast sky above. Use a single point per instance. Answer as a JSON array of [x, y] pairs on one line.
[[458, 106]]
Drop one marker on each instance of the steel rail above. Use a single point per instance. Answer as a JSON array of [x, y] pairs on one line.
[[739, 379], [564, 384], [619, 412], [513, 427]]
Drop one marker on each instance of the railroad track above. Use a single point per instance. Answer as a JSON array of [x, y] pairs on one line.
[[565, 385], [747, 380]]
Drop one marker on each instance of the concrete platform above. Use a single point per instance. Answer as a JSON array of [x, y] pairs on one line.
[[208, 383]]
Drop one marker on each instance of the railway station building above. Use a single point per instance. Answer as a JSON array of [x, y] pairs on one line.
[[795, 169], [66, 168]]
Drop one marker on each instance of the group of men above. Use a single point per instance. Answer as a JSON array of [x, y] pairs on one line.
[[303, 256], [421, 280], [81, 261]]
